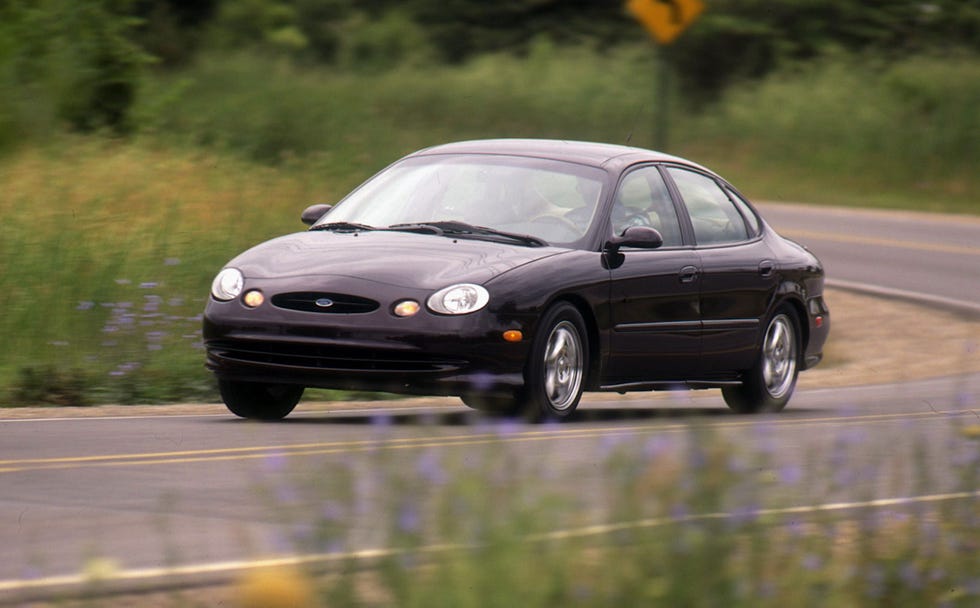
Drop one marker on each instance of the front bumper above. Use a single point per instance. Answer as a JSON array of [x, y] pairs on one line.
[[426, 354]]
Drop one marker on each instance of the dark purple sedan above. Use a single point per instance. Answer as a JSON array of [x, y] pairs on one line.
[[517, 274]]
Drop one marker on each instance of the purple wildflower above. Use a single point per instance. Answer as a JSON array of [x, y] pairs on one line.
[[332, 511], [429, 467], [875, 581], [482, 381], [409, 520], [274, 462], [910, 576], [744, 515], [657, 446], [812, 562], [790, 474]]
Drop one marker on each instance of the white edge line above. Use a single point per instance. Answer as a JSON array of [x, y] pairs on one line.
[[226, 570], [959, 306]]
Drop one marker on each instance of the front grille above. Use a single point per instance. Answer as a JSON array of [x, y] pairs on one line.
[[346, 359], [332, 303]]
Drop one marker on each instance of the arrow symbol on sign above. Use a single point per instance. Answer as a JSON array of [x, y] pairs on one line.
[[665, 19], [675, 10]]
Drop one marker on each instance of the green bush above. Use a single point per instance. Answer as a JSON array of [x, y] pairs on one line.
[[850, 131], [66, 61], [50, 385]]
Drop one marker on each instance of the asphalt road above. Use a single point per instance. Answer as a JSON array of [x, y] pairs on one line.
[[200, 496], [926, 256]]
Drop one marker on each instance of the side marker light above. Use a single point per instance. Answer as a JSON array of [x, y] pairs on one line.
[[513, 335]]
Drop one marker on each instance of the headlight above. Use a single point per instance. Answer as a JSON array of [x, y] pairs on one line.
[[458, 299], [227, 285]]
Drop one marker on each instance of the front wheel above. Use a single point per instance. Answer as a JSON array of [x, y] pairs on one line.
[[555, 373], [259, 401], [768, 386]]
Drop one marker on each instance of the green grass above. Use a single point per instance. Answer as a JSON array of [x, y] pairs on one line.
[[109, 251], [659, 516], [109, 246]]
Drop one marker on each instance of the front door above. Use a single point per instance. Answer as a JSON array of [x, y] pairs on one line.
[[656, 330]]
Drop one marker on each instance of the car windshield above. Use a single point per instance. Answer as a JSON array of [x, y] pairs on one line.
[[549, 200]]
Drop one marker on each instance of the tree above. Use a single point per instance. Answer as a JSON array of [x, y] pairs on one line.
[[75, 56]]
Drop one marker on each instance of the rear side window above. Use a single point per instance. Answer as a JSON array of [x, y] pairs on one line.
[[751, 219], [714, 217]]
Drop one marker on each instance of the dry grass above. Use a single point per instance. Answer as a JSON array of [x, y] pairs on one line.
[[876, 341]]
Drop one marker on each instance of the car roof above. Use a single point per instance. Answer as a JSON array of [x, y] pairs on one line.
[[607, 156]]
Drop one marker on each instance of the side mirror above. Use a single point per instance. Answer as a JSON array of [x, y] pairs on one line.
[[314, 212], [643, 237]]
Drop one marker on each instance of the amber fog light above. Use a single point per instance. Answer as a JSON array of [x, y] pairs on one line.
[[406, 308], [253, 299]]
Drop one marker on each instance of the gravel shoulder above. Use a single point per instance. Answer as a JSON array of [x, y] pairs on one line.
[[872, 341]]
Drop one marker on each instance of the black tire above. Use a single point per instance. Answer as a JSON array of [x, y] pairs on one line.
[[555, 374], [259, 401], [768, 386]]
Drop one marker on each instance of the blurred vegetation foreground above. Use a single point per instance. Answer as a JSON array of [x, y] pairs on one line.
[[145, 142]]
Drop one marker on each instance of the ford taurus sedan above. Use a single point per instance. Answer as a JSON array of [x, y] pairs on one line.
[[517, 274]]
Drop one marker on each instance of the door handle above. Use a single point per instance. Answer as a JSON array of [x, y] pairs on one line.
[[688, 274], [766, 268]]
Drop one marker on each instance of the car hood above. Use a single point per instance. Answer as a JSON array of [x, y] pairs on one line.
[[395, 258]]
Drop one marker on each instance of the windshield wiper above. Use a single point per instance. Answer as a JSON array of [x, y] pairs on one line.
[[417, 227], [456, 228], [343, 227]]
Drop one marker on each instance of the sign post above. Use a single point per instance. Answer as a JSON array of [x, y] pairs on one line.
[[665, 20]]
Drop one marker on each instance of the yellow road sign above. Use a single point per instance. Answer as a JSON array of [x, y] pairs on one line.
[[665, 19]]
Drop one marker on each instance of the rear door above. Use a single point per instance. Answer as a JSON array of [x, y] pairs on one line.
[[739, 275]]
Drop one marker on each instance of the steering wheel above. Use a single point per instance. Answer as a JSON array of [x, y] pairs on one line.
[[636, 219]]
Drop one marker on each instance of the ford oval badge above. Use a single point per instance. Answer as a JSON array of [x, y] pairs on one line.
[[324, 302]]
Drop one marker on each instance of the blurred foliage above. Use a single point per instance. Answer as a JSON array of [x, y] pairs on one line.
[[68, 61], [80, 63], [732, 40], [735, 39], [690, 518], [49, 385]]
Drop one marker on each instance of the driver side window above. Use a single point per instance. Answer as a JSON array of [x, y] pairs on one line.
[[643, 200]]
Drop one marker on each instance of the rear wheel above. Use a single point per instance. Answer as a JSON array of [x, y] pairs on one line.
[[555, 373], [768, 386], [259, 401]]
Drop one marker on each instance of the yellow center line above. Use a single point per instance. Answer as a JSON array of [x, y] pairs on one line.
[[882, 242], [367, 445]]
